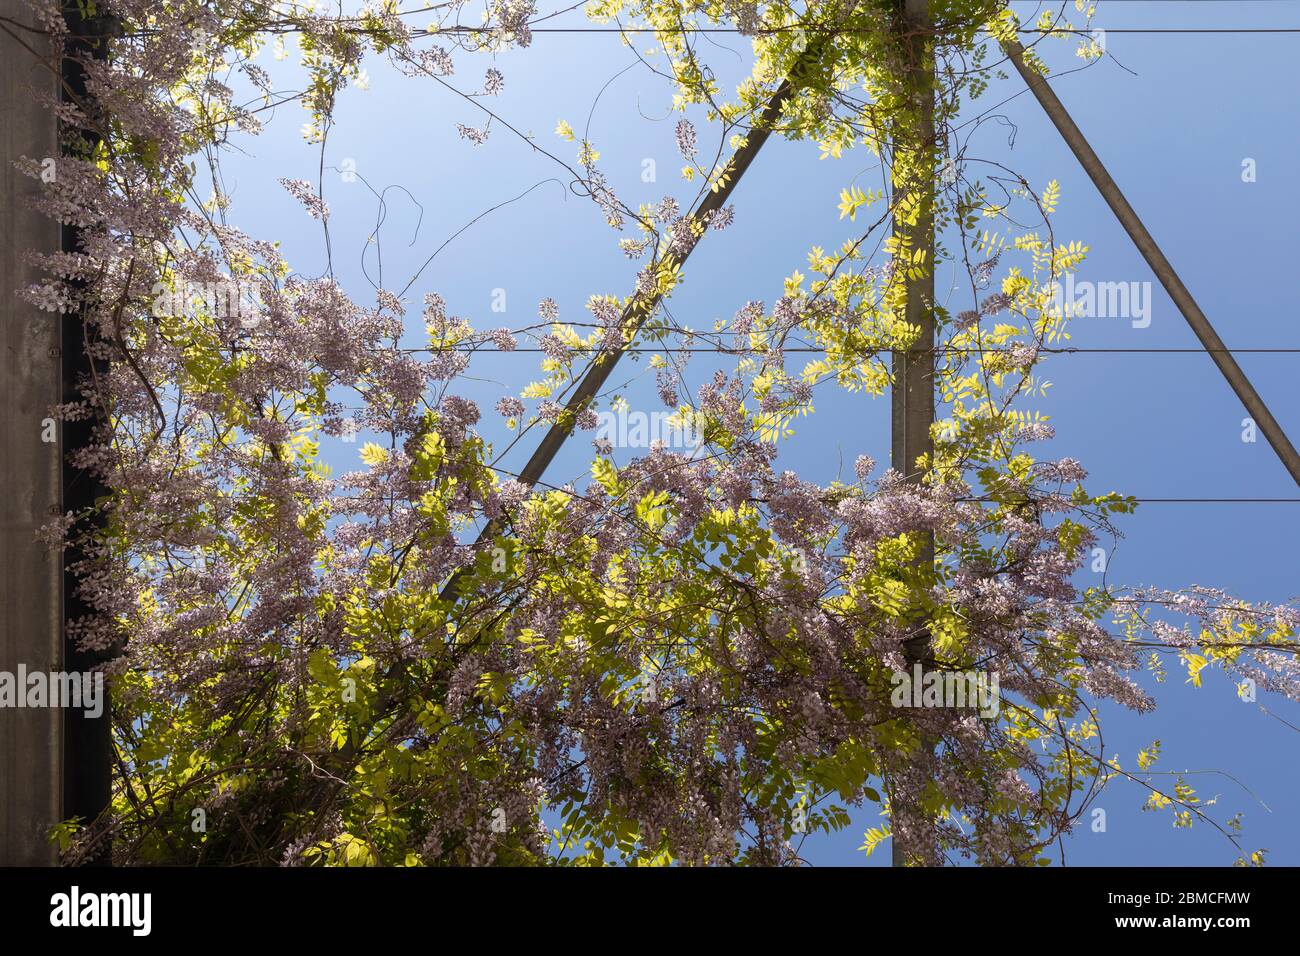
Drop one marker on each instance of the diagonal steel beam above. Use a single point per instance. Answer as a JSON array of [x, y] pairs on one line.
[[1160, 265], [641, 307]]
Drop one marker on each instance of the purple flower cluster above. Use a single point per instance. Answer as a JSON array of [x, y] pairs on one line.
[[686, 144]]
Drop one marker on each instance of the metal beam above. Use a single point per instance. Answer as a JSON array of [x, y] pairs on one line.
[[912, 397], [1155, 258]]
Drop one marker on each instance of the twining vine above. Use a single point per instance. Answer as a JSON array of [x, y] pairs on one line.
[[430, 661]]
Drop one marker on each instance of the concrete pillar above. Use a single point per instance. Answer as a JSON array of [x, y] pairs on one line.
[[30, 574]]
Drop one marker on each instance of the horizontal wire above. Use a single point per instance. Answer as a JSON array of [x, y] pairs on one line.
[[1156, 501], [984, 499], [850, 30], [814, 349], [1188, 501]]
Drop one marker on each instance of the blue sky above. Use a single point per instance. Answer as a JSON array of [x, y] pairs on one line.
[[1152, 425]]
